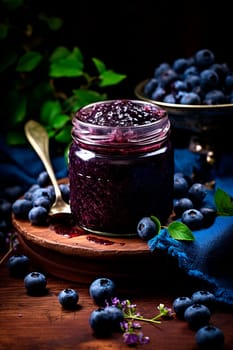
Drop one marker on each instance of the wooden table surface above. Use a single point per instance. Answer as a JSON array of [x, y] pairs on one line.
[[39, 323]]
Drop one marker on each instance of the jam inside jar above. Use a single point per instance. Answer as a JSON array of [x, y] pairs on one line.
[[120, 166]]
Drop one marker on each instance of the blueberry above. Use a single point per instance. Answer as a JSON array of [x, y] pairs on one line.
[[204, 58], [158, 94], [182, 204], [214, 97], [100, 321], [68, 298], [35, 283], [43, 179], [209, 215], [147, 228], [210, 337], [180, 304], [18, 265], [150, 86], [190, 98], [21, 208], [180, 186], [102, 290], [209, 79], [193, 218], [65, 191], [204, 297], [180, 64], [42, 202], [38, 216], [117, 316], [197, 193], [197, 315]]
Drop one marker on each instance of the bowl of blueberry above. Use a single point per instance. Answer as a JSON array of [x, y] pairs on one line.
[[197, 92]]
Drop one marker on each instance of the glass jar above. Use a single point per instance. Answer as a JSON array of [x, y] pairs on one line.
[[120, 166]]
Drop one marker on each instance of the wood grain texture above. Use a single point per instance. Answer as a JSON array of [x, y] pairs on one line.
[[40, 323]]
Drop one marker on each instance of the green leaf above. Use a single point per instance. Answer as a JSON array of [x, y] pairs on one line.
[[49, 110], [223, 203], [54, 23], [29, 61], [180, 231], [17, 107], [64, 135], [100, 66], [109, 77], [59, 52], [84, 97], [3, 30], [157, 222], [59, 121], [70, 65]]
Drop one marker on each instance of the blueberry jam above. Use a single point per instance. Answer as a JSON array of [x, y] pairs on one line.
[[120, 166]]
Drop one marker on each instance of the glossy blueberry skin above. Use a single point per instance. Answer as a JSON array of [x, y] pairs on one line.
[[204, 58], [117, 316], [193, 218], [18, 265], [197, 315], [180, 186], [209, 215], [204, 297], [100, 321], [180, 304], [43, 179], [21, 208], [210, 338], [182, 204], [102, 290], [146, 228], [68, 298], [35, 283], [197, 193], [38, 216]]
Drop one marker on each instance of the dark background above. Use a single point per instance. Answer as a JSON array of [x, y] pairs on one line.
[[133, 37]]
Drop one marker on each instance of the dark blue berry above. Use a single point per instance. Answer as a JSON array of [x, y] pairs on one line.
[[21, 208], [147, 228], [190, 98], [204, 58], [68, 298], [117, 316], [204, 297], [180, 186], [35, 283], [150, 86], [180, 64], [214, 97], [38, 216], [193, 218], [182, 204], [18, 265], [43, 179], [100, 321], [197, 193], [209, 79], [197, 315], [102, 290], [209, 215], [180, 304], [210, 337]]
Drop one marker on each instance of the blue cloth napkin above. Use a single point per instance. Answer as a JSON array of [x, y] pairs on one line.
[[209, 257]]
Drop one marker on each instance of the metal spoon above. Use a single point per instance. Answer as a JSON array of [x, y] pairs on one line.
[[38, 138]]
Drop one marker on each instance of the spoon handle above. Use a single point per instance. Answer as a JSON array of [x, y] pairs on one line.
[[38, 138]]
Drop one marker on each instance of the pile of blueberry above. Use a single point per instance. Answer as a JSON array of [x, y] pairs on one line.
[[189, 207], [196, 311], [36, 202], [197, 80]]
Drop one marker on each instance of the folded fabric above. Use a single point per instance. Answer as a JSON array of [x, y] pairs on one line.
[[209, 257], [21, 165]]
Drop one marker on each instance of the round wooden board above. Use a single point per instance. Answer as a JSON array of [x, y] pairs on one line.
[[76, 255]]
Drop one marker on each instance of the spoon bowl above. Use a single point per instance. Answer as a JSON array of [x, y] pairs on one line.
[[38, 138]]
